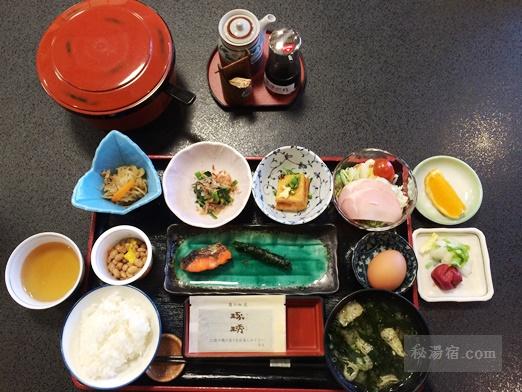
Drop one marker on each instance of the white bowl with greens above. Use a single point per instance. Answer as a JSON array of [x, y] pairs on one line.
[[207, 184]]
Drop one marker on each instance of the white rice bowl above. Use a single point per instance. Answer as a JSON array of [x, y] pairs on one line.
[[111, 336]]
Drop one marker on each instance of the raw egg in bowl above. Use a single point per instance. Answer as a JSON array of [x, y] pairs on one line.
[[384, 260]]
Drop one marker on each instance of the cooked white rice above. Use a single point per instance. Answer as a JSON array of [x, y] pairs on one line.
[[113, 333]]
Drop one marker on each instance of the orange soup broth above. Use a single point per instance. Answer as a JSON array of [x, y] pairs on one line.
[[50, 271]]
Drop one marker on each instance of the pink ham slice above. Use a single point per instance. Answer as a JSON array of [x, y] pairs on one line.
[[368, 199]]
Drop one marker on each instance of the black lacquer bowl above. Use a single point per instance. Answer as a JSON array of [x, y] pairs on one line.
[[405, 307]]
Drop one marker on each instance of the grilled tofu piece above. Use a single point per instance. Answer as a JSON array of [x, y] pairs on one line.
[[292, 192]]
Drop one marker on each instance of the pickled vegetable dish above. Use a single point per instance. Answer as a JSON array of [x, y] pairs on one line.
[[366, 341], [125, 186]]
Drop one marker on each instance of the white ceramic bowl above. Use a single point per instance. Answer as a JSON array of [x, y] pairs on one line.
[[106, 241], [298, 159], [69, 341], [179, 177], [13, 270]]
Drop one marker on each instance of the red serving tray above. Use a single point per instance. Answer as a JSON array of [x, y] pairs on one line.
[[300, 342], [177, 388], [260, 97]]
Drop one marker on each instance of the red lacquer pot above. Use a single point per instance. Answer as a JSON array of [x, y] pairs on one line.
[[110, 61]]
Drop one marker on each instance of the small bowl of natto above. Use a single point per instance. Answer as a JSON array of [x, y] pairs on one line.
[[119, 251]]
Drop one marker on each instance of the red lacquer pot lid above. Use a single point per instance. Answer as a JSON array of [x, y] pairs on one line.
[[104, 56]]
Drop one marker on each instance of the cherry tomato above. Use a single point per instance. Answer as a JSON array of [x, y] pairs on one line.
[[383, 168]]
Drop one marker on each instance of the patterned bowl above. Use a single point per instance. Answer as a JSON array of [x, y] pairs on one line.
[[376, 242], [300, 160]]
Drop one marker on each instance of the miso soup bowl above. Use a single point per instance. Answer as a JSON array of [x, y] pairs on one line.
[[413, 383], [13, 270]]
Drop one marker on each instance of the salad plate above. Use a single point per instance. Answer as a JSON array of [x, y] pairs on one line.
[[374, 189], [311, 251], [462, 178], [476, 285]]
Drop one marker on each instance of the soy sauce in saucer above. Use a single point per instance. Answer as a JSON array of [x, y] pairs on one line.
[[283, 68]]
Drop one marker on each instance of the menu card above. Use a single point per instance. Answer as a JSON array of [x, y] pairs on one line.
[[237, 323]]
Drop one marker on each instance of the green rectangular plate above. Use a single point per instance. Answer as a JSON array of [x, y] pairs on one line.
[[312, 251]]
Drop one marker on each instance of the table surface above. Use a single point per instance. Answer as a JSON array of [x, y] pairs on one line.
[[415, 78]]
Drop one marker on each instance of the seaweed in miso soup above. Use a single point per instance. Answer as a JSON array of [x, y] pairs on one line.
[[366, 341]]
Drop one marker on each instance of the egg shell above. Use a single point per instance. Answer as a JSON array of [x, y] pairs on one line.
[[387, 270]]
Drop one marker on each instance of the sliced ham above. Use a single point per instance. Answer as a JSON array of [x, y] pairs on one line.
[[370, 199]]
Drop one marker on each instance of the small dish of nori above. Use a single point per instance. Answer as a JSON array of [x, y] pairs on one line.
[[364, 341]]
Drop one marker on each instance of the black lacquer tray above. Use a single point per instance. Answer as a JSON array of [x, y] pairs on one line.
[[252, 374]]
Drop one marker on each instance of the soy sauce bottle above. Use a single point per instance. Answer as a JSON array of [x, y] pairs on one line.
[[283, 68]]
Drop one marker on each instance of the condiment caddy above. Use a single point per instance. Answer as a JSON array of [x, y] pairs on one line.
[[276, 73], [260, 97]]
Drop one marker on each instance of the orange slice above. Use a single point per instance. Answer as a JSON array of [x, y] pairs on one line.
[[443, 196]]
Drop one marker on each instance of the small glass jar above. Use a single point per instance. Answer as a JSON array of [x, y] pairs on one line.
[[283, 67]]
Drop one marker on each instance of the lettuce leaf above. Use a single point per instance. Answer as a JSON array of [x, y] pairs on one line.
[[460, 253], [445, 251]]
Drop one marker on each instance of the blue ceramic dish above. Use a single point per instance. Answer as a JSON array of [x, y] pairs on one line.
[[376, 242], [114, 150], [301, 160]]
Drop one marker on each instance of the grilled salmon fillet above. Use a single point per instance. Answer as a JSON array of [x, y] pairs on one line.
[[207, 258]]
